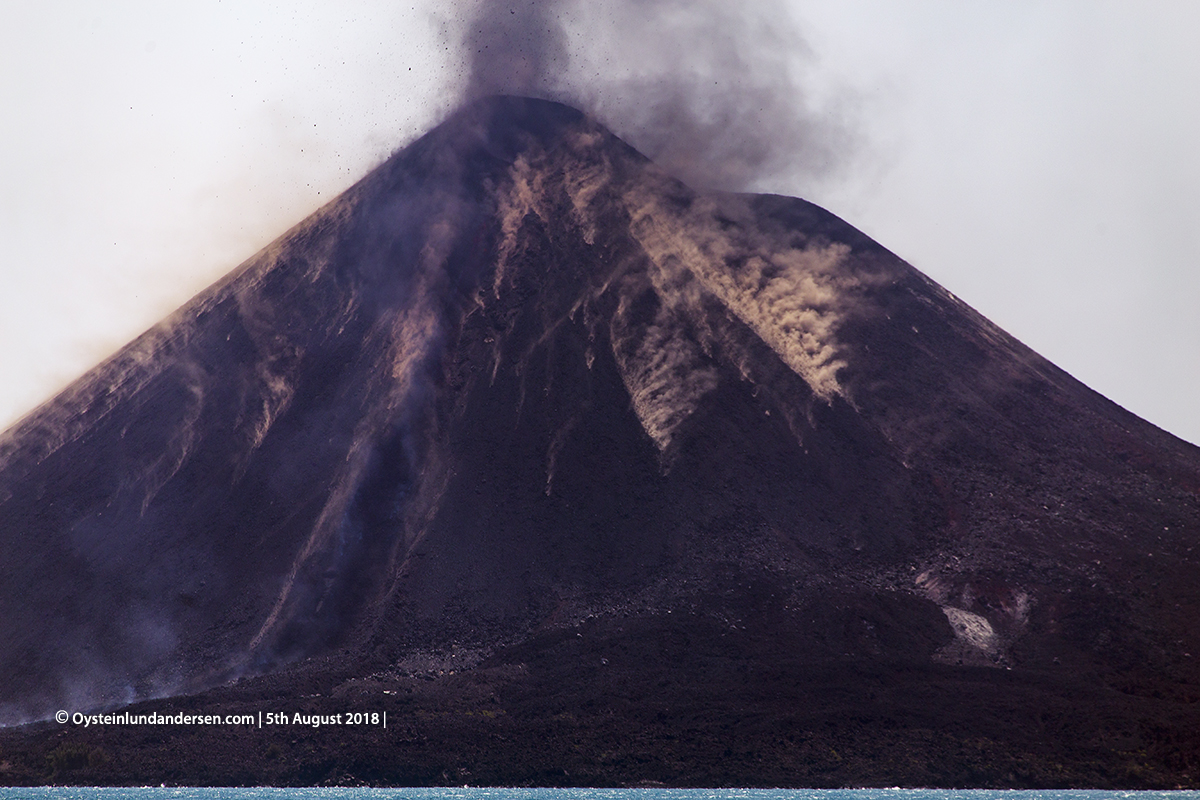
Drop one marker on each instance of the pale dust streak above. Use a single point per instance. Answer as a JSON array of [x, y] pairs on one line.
[[790, 297], [697, 249]]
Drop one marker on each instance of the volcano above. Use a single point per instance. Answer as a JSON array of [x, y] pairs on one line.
[[584, 476]]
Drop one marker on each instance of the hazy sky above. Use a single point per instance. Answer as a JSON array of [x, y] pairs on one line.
[[1039, 159]]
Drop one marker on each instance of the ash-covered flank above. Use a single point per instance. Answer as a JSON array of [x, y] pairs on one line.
[[590, 478]]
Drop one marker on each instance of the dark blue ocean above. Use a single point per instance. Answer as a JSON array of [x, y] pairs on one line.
[[156, 793]]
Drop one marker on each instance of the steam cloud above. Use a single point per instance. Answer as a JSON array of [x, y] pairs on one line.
[[708, 90]]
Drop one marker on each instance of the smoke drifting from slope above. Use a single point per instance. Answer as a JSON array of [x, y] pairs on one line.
[[708, 90]]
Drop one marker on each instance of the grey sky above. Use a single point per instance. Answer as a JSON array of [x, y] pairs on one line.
[[1036, 158]]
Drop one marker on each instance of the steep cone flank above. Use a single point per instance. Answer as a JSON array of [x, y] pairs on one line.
[[517, 381]]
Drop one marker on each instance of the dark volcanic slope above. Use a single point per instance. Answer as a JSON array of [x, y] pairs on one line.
[[518, 381]]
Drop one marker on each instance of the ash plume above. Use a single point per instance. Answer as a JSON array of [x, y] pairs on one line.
[[712, 92]]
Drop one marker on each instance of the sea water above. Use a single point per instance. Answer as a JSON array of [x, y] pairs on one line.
[[262, 793]]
